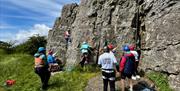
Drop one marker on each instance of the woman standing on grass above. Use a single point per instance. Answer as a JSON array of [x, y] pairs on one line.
[[41, 67]]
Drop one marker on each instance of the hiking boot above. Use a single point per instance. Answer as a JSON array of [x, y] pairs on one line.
[[133, 77], [138, 77]]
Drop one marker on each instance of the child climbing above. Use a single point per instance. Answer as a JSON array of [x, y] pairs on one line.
[[85, 51], [67, 37]]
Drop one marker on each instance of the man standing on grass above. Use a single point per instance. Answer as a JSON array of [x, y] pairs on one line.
[[107, 63]]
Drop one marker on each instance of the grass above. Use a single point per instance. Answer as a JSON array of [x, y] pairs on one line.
[[160, 80], [19, 67]]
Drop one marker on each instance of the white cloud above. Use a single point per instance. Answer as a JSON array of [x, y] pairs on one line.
[[40, 29], [23, 35]]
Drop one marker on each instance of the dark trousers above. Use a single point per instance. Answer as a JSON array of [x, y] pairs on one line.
[[107, 78], [44, 74], [136, 68]]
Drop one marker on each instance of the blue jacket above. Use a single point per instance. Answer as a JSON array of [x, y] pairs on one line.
[[51, 59]]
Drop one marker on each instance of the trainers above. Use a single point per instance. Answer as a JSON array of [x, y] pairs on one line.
[[133, 77], [130, 89], [138, 77]]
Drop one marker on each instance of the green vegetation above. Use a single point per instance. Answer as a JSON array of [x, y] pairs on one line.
[[160, 80], [19, 67], [31, 45]]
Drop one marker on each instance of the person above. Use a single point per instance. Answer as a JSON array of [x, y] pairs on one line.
[[85, 51], [135, 75], [107, 63], [67, 37], [53, 66], [112, 52], [41, 67], [112, 49], [127, 64]]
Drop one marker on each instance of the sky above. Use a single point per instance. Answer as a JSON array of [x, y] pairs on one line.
[[20, 19]]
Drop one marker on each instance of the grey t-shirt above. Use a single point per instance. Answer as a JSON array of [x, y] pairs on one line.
[[107, 61]]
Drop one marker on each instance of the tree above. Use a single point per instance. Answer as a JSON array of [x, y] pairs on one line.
[[8, 47], [32, 44]]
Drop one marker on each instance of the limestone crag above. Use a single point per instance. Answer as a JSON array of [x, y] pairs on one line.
[[153, 25]]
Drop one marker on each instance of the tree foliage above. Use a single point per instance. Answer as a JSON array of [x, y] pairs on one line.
[[8, 47], [32, 44]]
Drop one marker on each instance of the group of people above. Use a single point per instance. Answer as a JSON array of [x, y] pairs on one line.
[[44, 65], [127, 66], [110, 66]]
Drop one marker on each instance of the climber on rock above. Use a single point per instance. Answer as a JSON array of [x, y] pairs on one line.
[[127, 66], [67, 37], [85, 51], [135, 53], [107, 63]]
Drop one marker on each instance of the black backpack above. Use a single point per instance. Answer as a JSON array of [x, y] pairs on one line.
[[129, 65]]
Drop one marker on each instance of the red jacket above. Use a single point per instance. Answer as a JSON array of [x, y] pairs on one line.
[[123, 61]]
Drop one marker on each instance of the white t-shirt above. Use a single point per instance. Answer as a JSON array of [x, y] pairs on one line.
[[135, 55], [107, 61]]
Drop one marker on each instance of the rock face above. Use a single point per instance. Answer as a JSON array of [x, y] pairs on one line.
[[161, 38], [153, 25]]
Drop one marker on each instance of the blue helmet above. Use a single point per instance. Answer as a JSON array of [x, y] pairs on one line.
[[41, 49], [126, 48]]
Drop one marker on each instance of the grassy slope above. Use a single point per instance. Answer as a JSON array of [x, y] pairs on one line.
[[20, 68], [160, 80]]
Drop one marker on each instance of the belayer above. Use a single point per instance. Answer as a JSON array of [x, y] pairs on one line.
[[107, 63], [127, 67], [41, 67], [53, 65], [136, 55]]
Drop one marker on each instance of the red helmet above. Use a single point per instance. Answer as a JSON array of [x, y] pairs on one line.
[[131, 47], [50, 51], [110, 46]]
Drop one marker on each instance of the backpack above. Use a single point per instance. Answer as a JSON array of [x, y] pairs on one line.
[[38, 61], [129, 65]]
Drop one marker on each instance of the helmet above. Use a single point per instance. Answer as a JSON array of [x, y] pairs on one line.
[[106, 49], [84, 42], [50, 51], [126, 48], [41, 49], [132, 47], [110, 46]]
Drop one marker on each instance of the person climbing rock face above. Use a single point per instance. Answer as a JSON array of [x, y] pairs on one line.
[[67, 37], [41, 67], [127, 66], [135, 75], [85, 52], [107, 63]]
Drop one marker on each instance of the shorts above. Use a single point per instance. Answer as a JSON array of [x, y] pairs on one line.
[[124, 75]]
